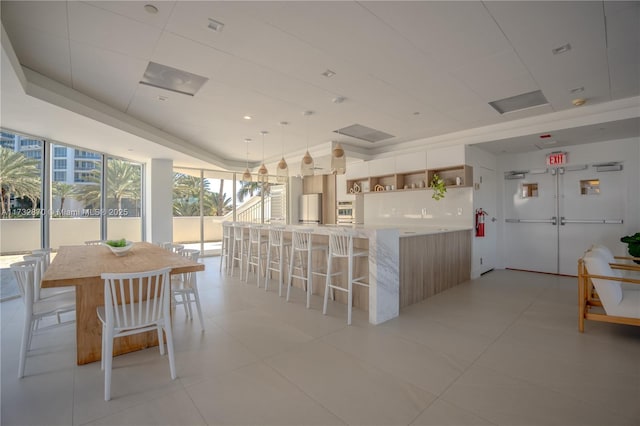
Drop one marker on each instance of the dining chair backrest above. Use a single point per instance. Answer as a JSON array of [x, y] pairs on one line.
[[93, 242], [47, 256], [194, 255], [40, 267], [174, 248], [24, 273], [149, 289]]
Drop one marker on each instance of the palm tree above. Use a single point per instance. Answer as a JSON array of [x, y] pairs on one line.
[[252, 188], [20, 176], [123, 182], [221, 204], [186, 195], [220, 201], [64, 191]]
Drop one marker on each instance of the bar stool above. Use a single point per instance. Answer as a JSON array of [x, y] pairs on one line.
[[302, 246], [341, 246], [238, 249], [255, 253], [227, 231], [276, 256]]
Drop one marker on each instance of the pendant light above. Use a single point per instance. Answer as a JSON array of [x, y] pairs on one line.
[[262, 171], [306, 166], [338, 159], [283, 170], [246, 176]]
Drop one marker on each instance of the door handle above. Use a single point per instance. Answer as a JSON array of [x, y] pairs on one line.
[[562, 221], [493, 219], [554, 220]]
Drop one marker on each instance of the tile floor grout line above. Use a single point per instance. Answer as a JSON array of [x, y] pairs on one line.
[[474, 361], [304, 392]]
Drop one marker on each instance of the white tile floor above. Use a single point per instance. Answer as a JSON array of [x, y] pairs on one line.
[[501, 350]]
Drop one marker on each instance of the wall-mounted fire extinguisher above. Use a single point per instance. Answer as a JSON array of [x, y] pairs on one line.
[[480, 214]]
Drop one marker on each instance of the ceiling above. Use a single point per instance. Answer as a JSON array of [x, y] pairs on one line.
[[415, 70]]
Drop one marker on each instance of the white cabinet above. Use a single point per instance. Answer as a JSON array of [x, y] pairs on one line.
[[445, 157], [341, 189], [411, 162], [382, 166], [357, 170]]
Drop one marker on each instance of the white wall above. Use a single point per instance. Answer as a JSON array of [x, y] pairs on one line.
[[480, 247], [417, 208], [159, 200]]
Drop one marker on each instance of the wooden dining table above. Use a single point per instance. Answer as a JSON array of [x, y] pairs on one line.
[[81, 267]]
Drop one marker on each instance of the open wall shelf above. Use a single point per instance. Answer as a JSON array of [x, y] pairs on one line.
[[411, 181]]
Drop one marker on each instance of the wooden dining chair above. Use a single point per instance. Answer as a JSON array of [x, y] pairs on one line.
[[135, 303], [34, 310]]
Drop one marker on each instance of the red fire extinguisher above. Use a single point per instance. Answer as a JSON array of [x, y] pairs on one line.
[[480, 214]]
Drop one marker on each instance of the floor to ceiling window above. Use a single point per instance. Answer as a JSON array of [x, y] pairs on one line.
[[123, 199], [203, 199], [76, 207], [21, 208], [54, 194]]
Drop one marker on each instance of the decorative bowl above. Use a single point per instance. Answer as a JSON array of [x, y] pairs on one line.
[[120, 251]]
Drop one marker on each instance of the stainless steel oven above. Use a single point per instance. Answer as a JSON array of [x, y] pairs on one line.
[[345, 213]]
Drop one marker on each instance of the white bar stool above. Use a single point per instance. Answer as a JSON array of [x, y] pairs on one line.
[[227, 231], [302, 245], [341, 246], [255, 252], [276, 256], [238, 248]]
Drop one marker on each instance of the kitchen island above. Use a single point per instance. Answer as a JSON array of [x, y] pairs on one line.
[[405, 264]]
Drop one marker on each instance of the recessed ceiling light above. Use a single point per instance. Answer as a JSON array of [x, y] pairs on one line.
[[561, 49], [576, 90], [416, 113], [307, 113], [338, 99], [328, 73], [247, 117], [216, 26], [149, 8]]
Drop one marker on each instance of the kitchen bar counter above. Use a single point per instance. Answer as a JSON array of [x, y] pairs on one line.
[[386, 267]]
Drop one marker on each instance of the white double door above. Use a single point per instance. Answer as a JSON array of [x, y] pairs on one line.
[[548, 229]]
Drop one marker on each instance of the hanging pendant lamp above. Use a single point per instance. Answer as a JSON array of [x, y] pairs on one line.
[[246, 176], [307, 166], [338, 159], [283, 169], [262, 171]]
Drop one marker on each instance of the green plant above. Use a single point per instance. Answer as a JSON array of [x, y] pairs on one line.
[[438, 186], [117, 243], [633, 245]]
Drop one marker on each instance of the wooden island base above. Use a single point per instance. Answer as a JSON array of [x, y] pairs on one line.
[[430, 264]]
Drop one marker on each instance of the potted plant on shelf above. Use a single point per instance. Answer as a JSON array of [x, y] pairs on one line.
[[633, 245], [438, 186]]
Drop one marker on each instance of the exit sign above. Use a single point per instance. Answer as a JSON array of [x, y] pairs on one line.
[[557, 159]]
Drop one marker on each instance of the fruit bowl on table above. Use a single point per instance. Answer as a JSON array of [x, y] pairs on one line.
[[119, 250]]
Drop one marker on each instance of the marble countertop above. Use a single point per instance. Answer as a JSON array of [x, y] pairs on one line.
[[366, 231]]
